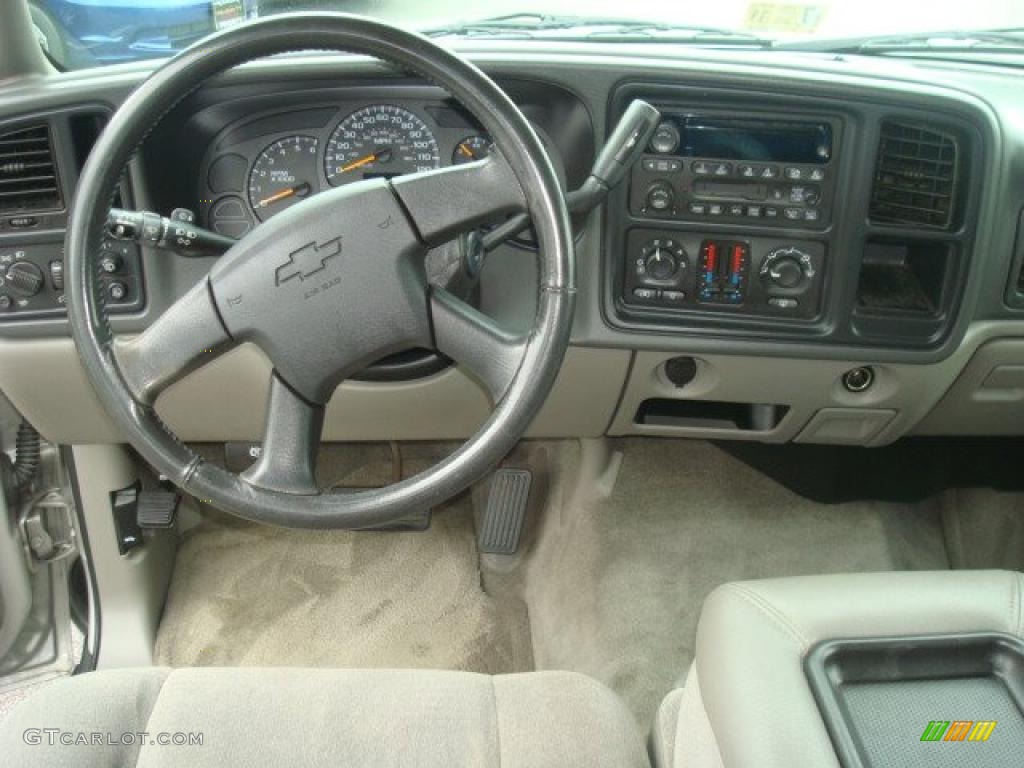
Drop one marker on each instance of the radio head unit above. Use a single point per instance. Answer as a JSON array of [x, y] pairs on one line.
[[767, 172]]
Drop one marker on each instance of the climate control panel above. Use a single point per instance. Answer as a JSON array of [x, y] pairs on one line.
[[751, 275], [32, 279]]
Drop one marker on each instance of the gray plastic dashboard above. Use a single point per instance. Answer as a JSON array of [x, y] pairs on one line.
[[576, 92]]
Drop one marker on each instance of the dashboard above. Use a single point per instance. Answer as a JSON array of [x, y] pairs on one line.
[[809, 249]]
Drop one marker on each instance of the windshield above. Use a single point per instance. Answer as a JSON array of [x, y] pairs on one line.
[[86, 33]]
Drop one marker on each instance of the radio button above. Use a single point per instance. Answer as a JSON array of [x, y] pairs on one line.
[[665, 139], [794, 174], [736, 210], [754, 211], [817, 174], [698, 209], [716, 209], [770, 172], [701, 168], [771, 212], [662, 165], [722, 169], [747, 171], [660, 196]]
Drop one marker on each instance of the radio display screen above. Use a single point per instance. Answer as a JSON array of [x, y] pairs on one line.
[[806, 143]]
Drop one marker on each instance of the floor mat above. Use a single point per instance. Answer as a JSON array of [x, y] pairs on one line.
[[256, 596], [616, 579]]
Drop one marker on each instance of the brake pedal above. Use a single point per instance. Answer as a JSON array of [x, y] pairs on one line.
[[502, 524]]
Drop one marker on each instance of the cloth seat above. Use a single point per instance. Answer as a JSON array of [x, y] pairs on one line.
[[322, 717], [746, 702]]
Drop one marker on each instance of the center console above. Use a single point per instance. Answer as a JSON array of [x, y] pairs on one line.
[[703, 167], [775, 216]]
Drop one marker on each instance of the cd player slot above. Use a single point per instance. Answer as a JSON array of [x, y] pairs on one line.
[[725, 190]]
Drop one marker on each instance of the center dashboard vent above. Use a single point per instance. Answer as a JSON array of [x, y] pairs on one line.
[[28, 173], [916, 176]]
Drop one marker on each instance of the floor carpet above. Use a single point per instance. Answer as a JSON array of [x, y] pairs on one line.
[[255, 596], [625, 540], [617, 575]]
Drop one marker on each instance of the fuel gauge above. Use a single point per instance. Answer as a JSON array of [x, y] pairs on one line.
[[472, 148]]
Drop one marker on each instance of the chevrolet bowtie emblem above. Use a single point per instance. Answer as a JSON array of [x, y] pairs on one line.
[[308, 260]]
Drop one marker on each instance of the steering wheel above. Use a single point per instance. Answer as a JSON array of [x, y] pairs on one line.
[[328, 286]]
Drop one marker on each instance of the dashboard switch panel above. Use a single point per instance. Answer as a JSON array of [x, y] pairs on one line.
[[32, 279]]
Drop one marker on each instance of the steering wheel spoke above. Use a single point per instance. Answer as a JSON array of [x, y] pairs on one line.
[[476, 341], [185, 337], [291, 443], [449, 201]]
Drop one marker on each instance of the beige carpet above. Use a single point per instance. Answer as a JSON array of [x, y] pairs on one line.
[[616, 561], [250, 595], [615, 581]]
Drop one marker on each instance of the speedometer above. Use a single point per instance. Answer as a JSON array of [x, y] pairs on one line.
[[379, 141]]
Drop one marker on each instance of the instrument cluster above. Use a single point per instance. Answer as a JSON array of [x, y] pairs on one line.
[[261, 166]]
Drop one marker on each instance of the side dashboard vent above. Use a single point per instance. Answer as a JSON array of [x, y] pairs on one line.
[[916, 176], [28, 173]]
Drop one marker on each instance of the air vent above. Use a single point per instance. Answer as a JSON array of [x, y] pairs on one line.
[[916, 176], [28, 176]]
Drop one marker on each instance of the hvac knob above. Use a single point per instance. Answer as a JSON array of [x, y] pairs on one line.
[[786, 273], [660, 264], [660, 260], [24, 279], [660, 196], [787, 268]]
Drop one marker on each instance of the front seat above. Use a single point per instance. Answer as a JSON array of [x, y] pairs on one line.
[[747, 701], [317, 717]]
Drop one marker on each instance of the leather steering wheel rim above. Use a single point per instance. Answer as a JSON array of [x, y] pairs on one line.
[[127, 380]]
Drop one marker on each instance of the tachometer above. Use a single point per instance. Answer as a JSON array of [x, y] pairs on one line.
[[284, 173], [379, 140]]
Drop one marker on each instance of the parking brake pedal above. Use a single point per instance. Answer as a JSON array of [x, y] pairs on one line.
[[502, 523], [156, 509]]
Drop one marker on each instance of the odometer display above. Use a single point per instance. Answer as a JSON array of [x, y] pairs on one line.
[[380, 140]]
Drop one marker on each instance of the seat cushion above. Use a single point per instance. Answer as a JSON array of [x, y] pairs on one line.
[[746, 701], [317, 717]]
